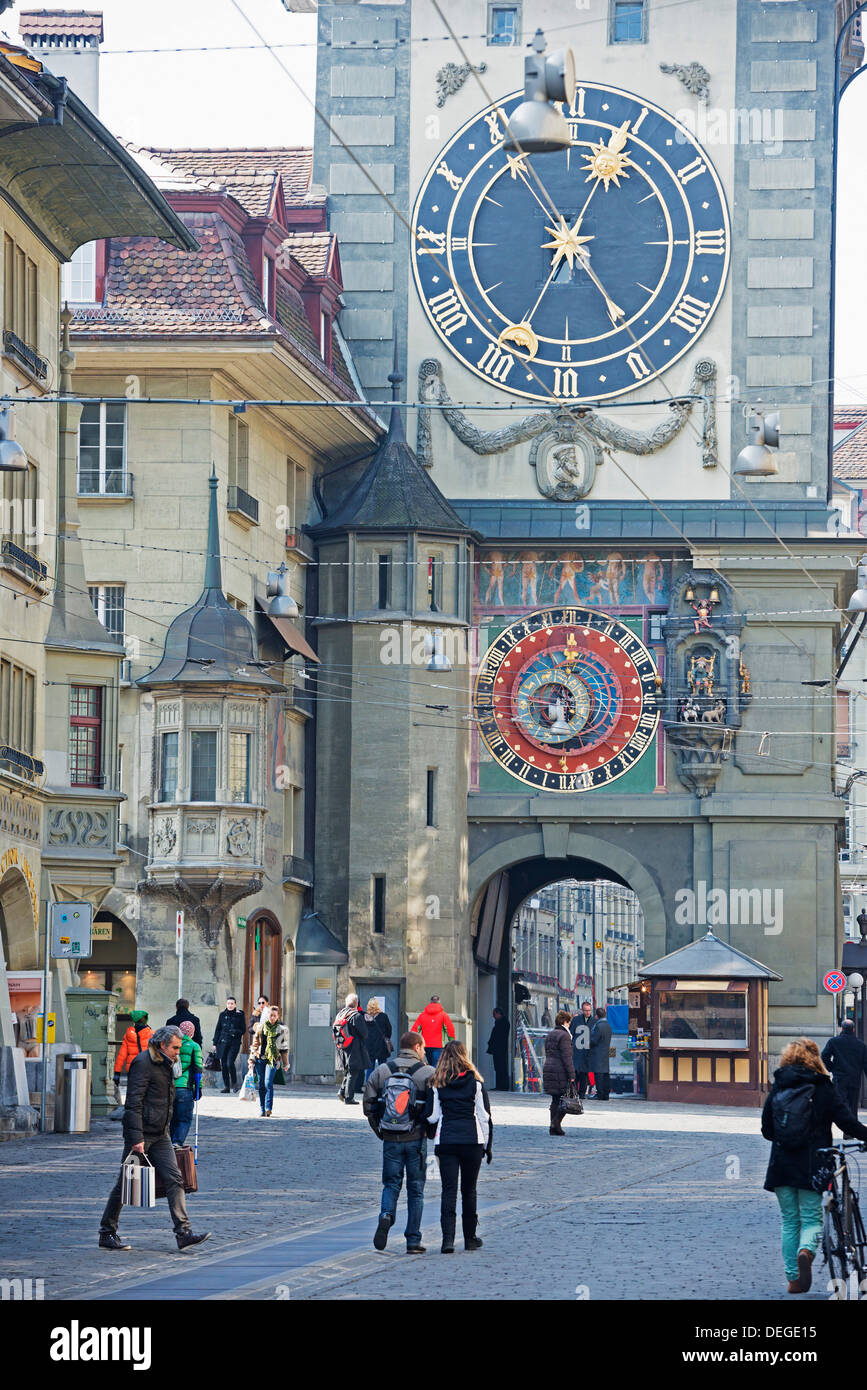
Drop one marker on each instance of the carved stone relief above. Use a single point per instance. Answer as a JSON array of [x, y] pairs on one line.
[[452, 76], [81, 827]]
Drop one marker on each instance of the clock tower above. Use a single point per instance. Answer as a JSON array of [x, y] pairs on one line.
[[593, 338]]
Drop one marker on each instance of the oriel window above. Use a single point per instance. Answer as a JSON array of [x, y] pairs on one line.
[[203, 765], [239, 766], [168, 767]]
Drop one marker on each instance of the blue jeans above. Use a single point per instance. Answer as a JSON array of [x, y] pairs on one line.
[[802, 1224], [265, 1074], [397, 1159], [182, 1115], [433, 1055]]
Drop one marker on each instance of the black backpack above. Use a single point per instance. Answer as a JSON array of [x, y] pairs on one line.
[[792, 1113]]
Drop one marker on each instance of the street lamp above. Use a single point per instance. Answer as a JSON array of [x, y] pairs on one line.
[[536, 126], [12, 457], [282, 603]]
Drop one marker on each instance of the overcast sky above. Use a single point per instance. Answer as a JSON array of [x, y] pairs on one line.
[[243, 98]]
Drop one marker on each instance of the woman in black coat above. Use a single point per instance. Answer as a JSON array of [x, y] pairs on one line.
[[558, 1073], [378, 1035], [804, 1099]]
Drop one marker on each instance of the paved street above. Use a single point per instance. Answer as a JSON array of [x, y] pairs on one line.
[[639, 1201]]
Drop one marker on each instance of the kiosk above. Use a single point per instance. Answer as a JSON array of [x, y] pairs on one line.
[[708, 1033]]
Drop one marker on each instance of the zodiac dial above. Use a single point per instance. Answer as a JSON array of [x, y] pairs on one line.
[[565, 699], [577, 275]]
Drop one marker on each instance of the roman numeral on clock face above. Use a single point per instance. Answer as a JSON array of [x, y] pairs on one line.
[[710, 243], [496, 364], [447, 311], [692, 170], [690, 313]]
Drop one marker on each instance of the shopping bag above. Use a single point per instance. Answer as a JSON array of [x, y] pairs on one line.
[[187, 1169], [138, 1185], [279, 1077], [250, 1088]]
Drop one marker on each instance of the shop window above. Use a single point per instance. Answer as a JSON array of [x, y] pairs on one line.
[[239, 766], [702, 1018], [108, 605], [85, 736], [203, 765], [168, 767], [102, 450]]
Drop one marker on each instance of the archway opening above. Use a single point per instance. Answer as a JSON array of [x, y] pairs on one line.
[[263, 961], [112, 965], [550, 935]]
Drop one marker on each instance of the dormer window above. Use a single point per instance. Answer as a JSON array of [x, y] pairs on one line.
[[79, 276], [325, 337]]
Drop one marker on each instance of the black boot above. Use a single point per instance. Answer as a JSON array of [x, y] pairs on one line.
[[187, 1238], [448, 1227], [110, 1240]]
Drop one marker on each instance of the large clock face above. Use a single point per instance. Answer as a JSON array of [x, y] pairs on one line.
[[589, 299], [565, 699]]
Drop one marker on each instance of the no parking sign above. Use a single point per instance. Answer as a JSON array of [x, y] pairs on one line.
[[834, 981]]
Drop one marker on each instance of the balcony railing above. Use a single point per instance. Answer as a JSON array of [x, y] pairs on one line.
[[25, 356], [299, 543], [114, 483], [237, 500], [296, 870], [22, 560], [22, 764]]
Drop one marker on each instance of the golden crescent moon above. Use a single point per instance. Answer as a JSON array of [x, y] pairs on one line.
[[522, 335]]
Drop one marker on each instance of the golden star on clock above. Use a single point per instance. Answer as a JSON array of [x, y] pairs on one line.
[[608, 161], [567, 244]]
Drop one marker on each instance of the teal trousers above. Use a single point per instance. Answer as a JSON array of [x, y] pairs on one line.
[[801, 1212]]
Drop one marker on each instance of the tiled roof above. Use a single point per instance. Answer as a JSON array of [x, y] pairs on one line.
[[245, 173], [152, 290], [168, 179], [313, 249], [850, 454], [87, 24]]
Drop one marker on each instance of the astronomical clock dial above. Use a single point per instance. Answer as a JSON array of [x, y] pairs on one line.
[[585, 288], [565, 699]]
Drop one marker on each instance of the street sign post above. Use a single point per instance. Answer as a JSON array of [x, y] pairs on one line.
[[71, 927], [834, 981]]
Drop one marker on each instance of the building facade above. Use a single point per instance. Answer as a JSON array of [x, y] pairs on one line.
[[589, 330], [63, 181]]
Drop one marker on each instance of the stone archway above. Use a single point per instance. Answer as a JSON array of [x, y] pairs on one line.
[[18, 921], [535, 856]]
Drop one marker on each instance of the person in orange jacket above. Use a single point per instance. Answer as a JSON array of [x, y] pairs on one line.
[[435, 1027], [135, 1040]]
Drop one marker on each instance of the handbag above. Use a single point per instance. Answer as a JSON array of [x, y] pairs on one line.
[[212, 1062], [279, 1077], [138, 1181], [185, 1160], [570, 1103]]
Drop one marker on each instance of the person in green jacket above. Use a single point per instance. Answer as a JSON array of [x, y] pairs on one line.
[[187, 1086]]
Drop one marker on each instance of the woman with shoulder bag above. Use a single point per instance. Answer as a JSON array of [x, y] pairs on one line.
[[558, 1073], [379, 1044], [269, 1050], [459, 1108]]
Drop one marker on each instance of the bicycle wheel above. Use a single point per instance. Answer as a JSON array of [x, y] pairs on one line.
[[858, 1236], [834, 1244]]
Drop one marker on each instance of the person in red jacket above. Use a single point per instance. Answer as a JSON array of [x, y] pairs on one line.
[[435, 1027], [135, 1040]]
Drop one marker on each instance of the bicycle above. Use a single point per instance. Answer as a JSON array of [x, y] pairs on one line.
[[844, 1239]]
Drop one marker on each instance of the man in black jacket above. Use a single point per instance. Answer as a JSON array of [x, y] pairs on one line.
[[403, 1151], [580, 1029], [350, 1035], [230, 1029], [846, 1058], [150, 1095], [182, 1015], [498, 1047], [600, 1060]]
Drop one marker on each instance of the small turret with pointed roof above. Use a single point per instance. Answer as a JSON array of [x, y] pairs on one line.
[[395, 493], [212, 641]]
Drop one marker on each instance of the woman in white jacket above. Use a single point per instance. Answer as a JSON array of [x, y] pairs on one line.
[[459, 1108]]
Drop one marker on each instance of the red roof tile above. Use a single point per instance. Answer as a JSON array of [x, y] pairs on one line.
[[37, 24], [314, 250]]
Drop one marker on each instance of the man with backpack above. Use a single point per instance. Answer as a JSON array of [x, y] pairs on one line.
[[350, 1034], [846, 1058], [394, 1102]]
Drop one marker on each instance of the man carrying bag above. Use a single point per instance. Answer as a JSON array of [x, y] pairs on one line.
[[146, 1118]]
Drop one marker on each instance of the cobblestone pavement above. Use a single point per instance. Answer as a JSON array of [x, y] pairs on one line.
[[638, 1201]]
